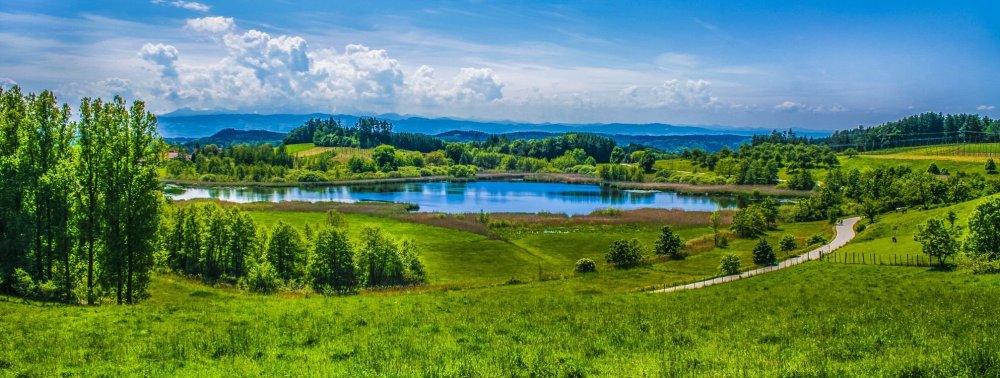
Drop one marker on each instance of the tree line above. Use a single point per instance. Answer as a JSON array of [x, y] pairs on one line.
[[367, 132], [224, 245], [917, 130], [758, 163], [80, 200]]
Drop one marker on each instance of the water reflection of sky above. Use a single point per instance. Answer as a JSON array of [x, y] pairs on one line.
[[489, 196]]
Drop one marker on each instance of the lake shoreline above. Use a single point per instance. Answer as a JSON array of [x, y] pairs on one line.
[[564, 178]]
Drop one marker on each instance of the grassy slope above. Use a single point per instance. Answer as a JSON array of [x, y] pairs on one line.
[[820, 318], [877, 238], [461, 258]]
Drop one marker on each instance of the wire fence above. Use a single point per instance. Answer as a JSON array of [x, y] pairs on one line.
[[881, 259], [954, 144]]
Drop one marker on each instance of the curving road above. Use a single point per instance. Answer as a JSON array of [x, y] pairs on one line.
[[844, 234]]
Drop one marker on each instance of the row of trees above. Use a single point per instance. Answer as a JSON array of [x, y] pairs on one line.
[[219, 244], [367, 132], [79, 201], [916, 130]]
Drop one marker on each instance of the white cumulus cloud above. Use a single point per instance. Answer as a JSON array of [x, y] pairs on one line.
[[215, 24], [985, 107], [268, 72], [163, 56], [685, 94], [477, 84]]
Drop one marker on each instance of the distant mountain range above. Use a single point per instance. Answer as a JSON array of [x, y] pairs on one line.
[[189, 124]]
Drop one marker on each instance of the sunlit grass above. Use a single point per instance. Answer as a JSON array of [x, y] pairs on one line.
[[817, 319]]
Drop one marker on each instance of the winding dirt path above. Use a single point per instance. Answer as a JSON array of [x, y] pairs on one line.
[[844, 233]]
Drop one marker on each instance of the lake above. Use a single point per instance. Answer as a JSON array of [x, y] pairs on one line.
[[469, 197]]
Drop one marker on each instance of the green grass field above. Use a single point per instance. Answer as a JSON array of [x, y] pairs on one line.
[[456, 257], [343, 154], [819, 319], [504, 301]]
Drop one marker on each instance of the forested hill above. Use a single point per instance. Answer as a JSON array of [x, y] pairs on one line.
[[670, 143], [226, 137], [920, 129]]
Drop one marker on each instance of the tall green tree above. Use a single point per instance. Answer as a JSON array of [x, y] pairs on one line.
[[984, 226], [937, 240], [15, 216], [89, 200], [716, 221], [286, 252], [333, 270], [379, 259], [749, 222], [132, 197]]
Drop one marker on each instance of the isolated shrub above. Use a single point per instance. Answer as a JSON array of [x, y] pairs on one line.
[[933, 169], [749, 222], [787, 244], [817, 239], [586, 265], [669, 244], [730, 265], [624, 254], [991, 166], [763, 254], [723, 241], [22, 283], [262, 278], [49, 290]]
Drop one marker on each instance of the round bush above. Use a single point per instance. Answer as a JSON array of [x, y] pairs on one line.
[[586, 265]]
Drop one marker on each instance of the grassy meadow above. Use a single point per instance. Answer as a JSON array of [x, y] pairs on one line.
[[819, 319], [503, 301], [459, 250], [342, 154]]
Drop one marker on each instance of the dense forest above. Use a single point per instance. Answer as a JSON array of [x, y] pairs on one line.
[[368, 132], [79, 200], [918, 130]]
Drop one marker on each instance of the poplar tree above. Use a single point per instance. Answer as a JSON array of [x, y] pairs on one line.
[[333, 270], [286, 252]]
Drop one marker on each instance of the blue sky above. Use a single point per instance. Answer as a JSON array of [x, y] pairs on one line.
[[813, 65]]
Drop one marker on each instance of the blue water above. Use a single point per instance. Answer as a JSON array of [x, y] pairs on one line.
[[467, 197]]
